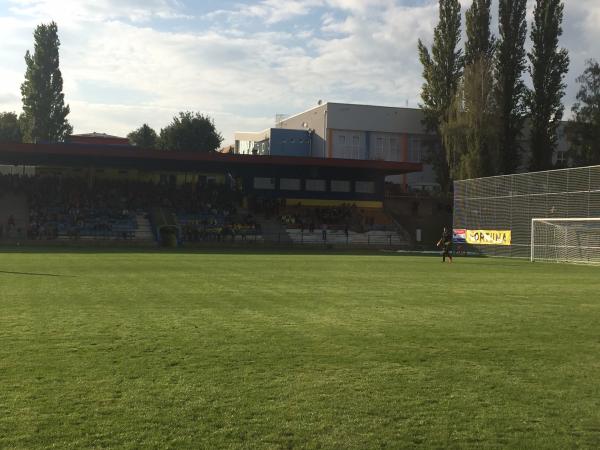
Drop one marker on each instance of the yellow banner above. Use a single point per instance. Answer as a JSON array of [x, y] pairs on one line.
[[489, 237]]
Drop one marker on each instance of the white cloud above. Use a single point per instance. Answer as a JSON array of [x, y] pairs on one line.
[[359, 51], [269, 11], [96, 10]]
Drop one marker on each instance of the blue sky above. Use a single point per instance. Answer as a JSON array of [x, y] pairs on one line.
[[128, 62]]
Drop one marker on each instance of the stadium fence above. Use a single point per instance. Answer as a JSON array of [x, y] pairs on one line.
[[512, 202]]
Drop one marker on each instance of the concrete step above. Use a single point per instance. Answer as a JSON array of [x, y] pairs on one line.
[[144, 228]]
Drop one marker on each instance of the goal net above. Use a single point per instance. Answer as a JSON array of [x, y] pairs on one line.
[[566, 240]]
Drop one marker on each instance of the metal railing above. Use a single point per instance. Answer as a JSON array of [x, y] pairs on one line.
[[330, 239], [315, 239]]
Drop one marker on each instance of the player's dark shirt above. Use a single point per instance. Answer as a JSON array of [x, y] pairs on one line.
[[447, 238]]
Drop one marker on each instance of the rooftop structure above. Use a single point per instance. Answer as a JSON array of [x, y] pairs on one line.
[[97, 138]]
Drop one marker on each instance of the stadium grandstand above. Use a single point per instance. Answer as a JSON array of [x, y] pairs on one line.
[[94, 187]]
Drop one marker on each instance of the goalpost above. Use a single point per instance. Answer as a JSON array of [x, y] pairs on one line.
[[567, 240]]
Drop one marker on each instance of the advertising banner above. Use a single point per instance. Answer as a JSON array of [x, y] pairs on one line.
[[489, 237], [459, 236]]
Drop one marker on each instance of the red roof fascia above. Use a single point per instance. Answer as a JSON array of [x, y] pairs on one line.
[[112, 152]]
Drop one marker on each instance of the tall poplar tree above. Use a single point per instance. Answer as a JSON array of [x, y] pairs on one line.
[[480, 42], [44, 109], [442, 69], [469, 133], [510, 87], [584, 130], [548, 66]]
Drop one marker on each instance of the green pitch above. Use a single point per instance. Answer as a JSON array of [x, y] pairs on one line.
[[151, 350]]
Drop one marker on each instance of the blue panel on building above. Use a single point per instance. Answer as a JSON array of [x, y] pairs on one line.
[[290, 142]]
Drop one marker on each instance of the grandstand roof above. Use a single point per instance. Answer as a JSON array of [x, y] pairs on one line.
[[67, 155]]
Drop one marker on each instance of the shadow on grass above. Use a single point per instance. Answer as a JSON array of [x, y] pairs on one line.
[[32, 274], [212, 250], [220, 248]]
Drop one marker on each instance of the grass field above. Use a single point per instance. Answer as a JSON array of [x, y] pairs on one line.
[[167, 350]]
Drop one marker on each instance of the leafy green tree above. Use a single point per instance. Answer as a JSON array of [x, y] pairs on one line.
[[470, 132], [442, 69], [192, 132], [480, 42], [44, 110], [584, 130], [510, 87], [144, 137], [548, 66], [10, 128]]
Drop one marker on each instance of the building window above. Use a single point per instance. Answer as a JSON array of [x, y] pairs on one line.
[[289, 184], [415, 150], [342, 139], [417, 155], [340, 186], [561, 158], [264, 183], [316, 185], [395, 150], [355, 141], [379, 149], [365, 187]]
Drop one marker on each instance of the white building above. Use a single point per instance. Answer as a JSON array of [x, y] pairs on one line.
[[363, 132]]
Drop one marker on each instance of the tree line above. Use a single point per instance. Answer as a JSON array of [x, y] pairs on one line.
[[187, 132], [44, 116], [476, 99]]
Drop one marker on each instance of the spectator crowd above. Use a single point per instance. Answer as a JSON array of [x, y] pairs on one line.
[[74, 207]]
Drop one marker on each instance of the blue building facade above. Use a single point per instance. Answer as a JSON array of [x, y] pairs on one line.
[[275, 142], [290, 142]]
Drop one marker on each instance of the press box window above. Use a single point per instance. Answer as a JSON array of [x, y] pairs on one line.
[[365, 187], [264, 183], [340, 186], [316, 185], [289, 184]]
